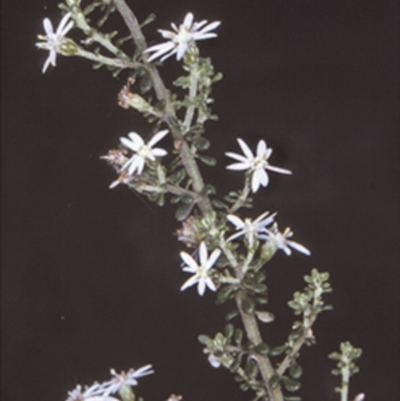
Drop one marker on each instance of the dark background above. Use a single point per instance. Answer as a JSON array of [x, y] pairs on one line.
[[91, 276]]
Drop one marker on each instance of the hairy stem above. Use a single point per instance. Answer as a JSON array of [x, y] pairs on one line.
[[93, 35], [168, 188], [194, 78], [252, 331], [112, 62], [344, 389], [242, 198], [296, 347], [170, 118], [249, 320]]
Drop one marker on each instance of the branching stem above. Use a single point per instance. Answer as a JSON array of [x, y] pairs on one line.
[[112, 62], [296, 347], [185, 153], [249, 320], [252, 330]]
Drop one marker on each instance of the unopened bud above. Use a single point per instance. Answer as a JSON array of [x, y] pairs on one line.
[[73, 3], [268, 250], [68, 47], [128, 99]]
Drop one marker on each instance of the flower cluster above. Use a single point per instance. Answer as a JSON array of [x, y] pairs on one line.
[[53, 40], [257, 229], [103, 391], [256, 165], [182, 39]]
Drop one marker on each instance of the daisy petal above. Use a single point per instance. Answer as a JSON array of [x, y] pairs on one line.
[[246, 150], [210, 284], [189, 261], [201, 287], [189, 283], [299, 248], [238, 166], [277, 169], [203, 254], [213, 258], [157, 137], [261, 148], [236, 221]]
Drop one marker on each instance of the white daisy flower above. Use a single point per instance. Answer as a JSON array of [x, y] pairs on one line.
[[182, 38], [92, 393], [257, 165], [142, 151], [251, 229], [53, 40], [201, 271], [280, 240], [125, 378]]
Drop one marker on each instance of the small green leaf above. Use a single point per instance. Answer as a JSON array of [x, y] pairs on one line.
[[150, 18], [248, 304], [210, 189], [197, 129], [238, 336], [290, 384], [235, 365], [262, 349], [145, 84], [183, 211], [238, 378], [229, 329], [177, 177], [231, 315], [274, 381], [208, 160], [265, 317], [295, 370], [262, 299], [259, 288], [224, 293], [175, 199], [204, 339], [219, 204], [248, 347], [278, 350], [201, 143], [251, 369], [217, 77], [260, 277]]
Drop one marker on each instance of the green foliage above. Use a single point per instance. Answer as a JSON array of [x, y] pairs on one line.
[[310, 302], [239, 274], [346, 366], [346, 359]]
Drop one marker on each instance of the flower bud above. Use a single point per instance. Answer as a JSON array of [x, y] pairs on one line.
[[268, 250], [73, 3], [128, 99], [68, 47]]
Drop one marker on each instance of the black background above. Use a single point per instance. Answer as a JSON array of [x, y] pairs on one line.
[[91, 276]]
